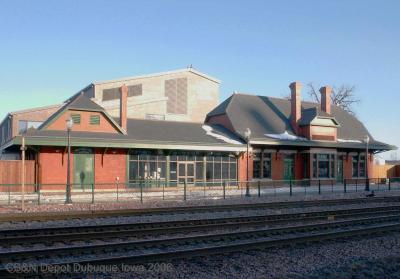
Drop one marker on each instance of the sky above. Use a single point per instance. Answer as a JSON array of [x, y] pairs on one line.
[[50, 50]]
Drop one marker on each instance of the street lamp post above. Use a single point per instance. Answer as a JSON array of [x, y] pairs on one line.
[[366, 164], [68, 190], [247, 135]]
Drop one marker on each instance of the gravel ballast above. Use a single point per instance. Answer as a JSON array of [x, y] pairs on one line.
[[373, 257]]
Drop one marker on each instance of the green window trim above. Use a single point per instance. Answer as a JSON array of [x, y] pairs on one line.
[[76, 118], [94, 120]]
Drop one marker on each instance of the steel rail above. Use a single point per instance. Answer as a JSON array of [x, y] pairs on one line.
[[107, 250], [25, 217], [52, 234]]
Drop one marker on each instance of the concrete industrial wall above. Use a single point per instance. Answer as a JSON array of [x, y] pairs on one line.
[[202, 97]]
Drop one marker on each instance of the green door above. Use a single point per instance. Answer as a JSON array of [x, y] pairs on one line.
[[288, 168], [83, 168]]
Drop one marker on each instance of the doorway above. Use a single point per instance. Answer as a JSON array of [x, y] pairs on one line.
[[288, 167], [83, 168], [186, 173]]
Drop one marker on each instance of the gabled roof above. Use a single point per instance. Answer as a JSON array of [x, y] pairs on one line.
[[80, 102], [269, 115]]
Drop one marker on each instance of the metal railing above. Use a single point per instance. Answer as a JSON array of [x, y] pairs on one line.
[[152, 190]]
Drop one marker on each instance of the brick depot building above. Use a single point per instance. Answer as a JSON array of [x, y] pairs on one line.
[[169, 127]]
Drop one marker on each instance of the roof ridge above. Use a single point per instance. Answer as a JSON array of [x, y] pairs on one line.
[[191, 70]]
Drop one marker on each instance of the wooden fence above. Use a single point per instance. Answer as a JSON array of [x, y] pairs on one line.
[[10, 173], [386, 171]]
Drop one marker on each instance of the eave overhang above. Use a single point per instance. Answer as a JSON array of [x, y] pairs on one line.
[[381, 147], [122, 143]]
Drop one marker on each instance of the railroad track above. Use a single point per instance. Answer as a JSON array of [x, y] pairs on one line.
[[371, 221], [26, 217], [49, 235]]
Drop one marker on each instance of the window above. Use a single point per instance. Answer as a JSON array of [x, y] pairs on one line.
[[111, 94], [359, 166], [262, 165], [115, 94], [176, 91], [147, 165], [323, 165], [76, 118], [24, 125], [256, 165], [135, 90], [94, 120], [150, 165]]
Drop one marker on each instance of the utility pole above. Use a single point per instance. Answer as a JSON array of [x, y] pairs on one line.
[[23, 173], [366, 164]]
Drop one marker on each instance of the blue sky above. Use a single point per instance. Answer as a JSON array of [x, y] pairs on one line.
[[51, 49]]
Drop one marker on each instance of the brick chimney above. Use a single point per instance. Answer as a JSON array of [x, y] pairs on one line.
[[123, 107], [326, 98], [295, 88]]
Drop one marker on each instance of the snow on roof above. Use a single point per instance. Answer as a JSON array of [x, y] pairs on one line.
[[349, 140], [285, 136], [210, 132]]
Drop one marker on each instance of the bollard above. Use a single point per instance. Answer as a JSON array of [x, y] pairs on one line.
[[117, 191], [184, 190], [259, 188], [38, 194], [9, 194], [163, 190], [224, 188], [141, 191], [290, 185], [345, 185], [319, 186], [389, 184], [92, 193], [332, 185]]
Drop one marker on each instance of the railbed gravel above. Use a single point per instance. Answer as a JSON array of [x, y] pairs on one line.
[[371, 257], [99, 240]]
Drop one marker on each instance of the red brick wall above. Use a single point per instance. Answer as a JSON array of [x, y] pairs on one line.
[[242, 167], [53, 167], [105, 125], [109, 166], [347, 166], [277, 166]]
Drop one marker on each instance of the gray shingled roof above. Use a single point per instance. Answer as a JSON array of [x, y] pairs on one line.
[[141, 130], [268, 115]]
